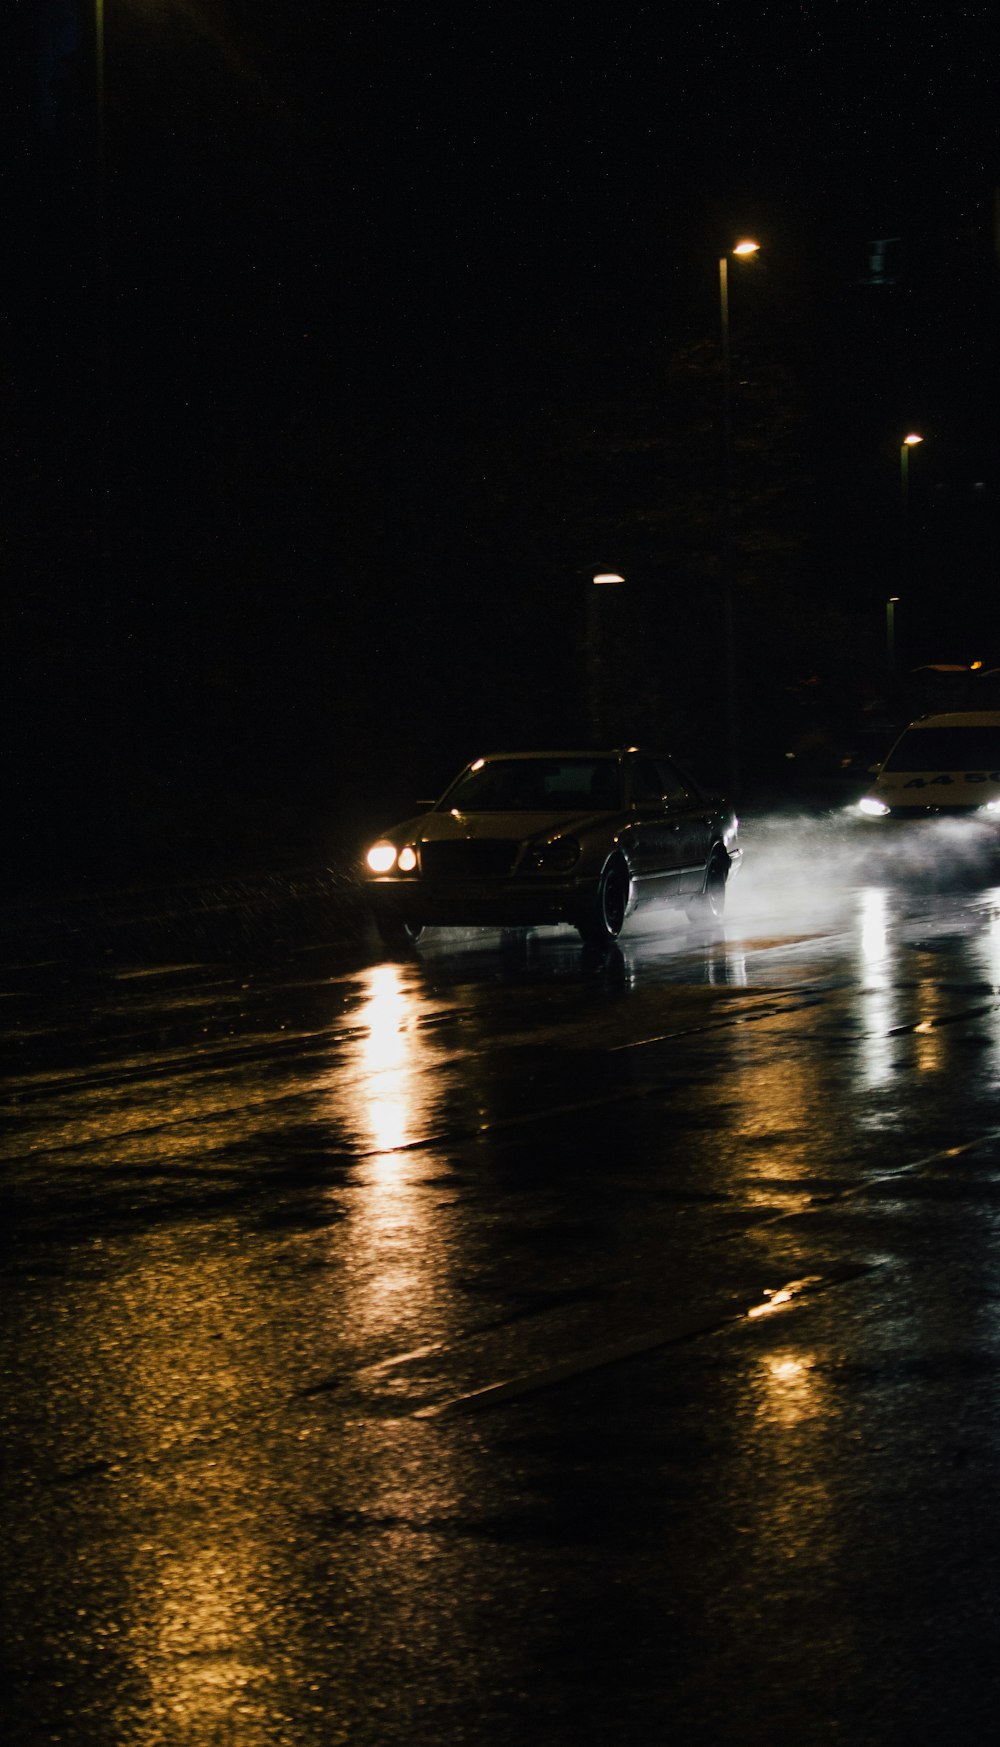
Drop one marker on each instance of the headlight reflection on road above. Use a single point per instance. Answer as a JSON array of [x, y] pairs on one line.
[[880, 1007], [726, 964], [986, 951], [390, 1090], [987, 946], [391, 1098]]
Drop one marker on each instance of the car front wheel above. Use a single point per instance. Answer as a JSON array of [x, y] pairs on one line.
[[604, 921], [394, 933], [709, 905]]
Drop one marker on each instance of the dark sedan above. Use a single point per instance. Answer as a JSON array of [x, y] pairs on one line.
[[528, 838]]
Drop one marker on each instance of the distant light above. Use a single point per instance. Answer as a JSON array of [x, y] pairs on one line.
[[478, 764], [606, 576], [973, 665], [911, 439], [746, 248]]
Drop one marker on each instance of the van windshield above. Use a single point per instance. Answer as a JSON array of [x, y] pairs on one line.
[[959, 748]]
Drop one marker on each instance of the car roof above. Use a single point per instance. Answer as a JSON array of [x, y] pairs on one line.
[[958, 719]]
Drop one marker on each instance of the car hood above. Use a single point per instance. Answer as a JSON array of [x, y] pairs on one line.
[[513, 827]]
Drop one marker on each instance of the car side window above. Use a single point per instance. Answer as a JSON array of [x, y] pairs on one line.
[[672, 784], [656, 779], [646, 784]]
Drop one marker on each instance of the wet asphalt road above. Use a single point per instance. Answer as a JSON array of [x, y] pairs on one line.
[[509, 1345]]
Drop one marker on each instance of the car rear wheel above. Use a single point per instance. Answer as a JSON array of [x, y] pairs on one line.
[[709, 905], [605, 920]]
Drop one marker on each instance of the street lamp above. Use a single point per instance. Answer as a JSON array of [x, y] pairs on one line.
[[595, 650], [741, 250], [909, 442]]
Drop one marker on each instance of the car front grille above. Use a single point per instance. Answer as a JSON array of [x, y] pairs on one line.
[[476, 858]]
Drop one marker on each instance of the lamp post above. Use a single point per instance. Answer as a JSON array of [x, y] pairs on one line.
[[99, 63], [909, 442], [890, 634], [102, 323], [741, 250], [596, 651]]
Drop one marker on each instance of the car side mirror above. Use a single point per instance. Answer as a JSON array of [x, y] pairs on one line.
[[873, 769], [649, 800]]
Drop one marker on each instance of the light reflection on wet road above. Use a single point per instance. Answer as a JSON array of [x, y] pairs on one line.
[[508, 1343]]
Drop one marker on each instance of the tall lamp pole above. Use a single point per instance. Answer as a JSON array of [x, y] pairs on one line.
[[596, 652], [740, 250], [99, 63], [890, 634], [909, 442], [102, 446]]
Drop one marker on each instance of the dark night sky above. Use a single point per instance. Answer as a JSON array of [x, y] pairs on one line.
[[312, 442]]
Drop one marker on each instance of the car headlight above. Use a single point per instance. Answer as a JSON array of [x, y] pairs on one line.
[[558, 856], [381, 857], [873, 807], [992, 808]]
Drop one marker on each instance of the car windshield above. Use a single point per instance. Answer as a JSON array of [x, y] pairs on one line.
[[539, 785], [960, 748]]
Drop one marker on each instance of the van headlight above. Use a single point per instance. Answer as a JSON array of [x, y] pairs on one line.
[[872, 807]]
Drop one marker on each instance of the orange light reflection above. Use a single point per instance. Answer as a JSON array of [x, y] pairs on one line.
[[397, 1250]]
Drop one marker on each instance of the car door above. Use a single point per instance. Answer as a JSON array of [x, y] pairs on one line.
[[655, 839], [692, 820]]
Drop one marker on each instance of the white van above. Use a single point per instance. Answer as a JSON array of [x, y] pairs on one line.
[[939, 765]]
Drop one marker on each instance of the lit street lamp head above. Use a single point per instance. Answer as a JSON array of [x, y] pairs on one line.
[[746, 247], [911, 439]]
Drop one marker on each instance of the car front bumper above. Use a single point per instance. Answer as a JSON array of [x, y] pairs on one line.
[[481, 903]]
